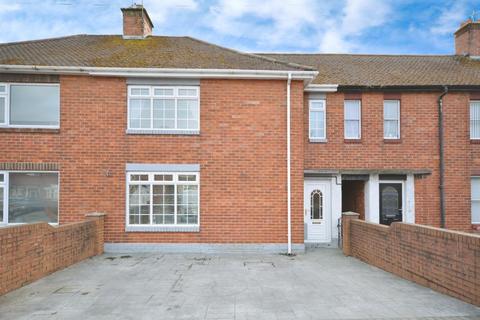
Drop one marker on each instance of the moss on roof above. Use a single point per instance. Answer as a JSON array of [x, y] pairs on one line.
[[152, 52]]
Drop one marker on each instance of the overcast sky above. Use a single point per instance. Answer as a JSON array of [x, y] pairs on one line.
[[347, 26]]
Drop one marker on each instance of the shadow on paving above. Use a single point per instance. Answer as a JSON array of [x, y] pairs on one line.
[[321, 284]]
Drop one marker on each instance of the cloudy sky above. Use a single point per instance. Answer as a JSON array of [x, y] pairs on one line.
[[348, 26]]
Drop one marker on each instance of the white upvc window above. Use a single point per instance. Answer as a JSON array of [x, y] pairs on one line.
[[29, 105], [3, 104], [391, 119], [163, 199], [3, 196], [28, 197], [317, 119], [353, 114], [474, 120], [475, 199], [164, 108]]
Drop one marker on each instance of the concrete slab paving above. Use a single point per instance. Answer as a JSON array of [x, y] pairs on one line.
[[321, 284]]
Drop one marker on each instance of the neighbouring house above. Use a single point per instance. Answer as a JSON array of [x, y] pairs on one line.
[[186, 145]]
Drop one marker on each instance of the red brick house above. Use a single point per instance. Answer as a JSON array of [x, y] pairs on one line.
[[186, 145]]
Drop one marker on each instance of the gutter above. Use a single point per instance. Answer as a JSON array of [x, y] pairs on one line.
[[403, 88], [289, 187], [442, 160], [162, 72]]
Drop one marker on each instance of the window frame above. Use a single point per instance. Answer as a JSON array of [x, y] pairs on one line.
[[472, 199], [318, 109], [4, 186], [398, 120], [151, 182], [6, 191], [359, 137], [151, 96], [7, 112], [471, 120]]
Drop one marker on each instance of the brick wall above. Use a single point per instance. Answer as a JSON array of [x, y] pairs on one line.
[[31, 251], [467, 39], [136, 23], [241, 150], [417, 149], [446, 261]]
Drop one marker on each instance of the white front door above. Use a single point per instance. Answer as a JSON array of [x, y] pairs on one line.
[[317, 213]]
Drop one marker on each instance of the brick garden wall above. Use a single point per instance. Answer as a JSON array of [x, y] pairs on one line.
[[446, 261], [31, 251]]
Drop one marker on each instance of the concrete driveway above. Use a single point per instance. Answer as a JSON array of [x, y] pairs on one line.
[[322, 284]]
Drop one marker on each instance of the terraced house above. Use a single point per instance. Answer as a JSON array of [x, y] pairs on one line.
[[185, 144]]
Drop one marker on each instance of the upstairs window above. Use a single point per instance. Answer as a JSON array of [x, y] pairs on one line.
[[474, 119], [163, 108], [391, 119], [317, 119], [352, 111], [29, 105]]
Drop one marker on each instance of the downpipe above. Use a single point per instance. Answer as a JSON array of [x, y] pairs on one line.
[[289, 187], [442, 158]]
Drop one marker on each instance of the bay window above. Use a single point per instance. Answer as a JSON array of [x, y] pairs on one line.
[[27, 197], [163, 199], [29, 105], [163, 109]]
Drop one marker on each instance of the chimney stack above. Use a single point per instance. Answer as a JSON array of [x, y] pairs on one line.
[[467, 39], [136, 22]]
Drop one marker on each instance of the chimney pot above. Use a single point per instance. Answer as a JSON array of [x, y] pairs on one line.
[[136, 22]]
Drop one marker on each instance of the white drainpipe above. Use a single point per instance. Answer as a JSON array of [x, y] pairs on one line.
[[289, 187]]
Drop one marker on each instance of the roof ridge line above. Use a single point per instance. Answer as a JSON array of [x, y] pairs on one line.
[[256, 56]]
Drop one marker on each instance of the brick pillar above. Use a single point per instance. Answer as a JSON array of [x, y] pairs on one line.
[[99, 219], [346, 242]]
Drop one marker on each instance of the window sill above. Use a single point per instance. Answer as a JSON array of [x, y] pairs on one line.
[[352, 141], [28, 130], [392, 141], [164, 132], [475, 141], [162, 228], [314, 140], [17, 224]]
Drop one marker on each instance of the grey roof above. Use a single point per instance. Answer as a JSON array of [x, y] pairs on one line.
[[388, 70], [152, 52]]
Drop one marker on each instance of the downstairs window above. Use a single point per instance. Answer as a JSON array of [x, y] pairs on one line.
[[475, 199], [163, 199], [27, 197]]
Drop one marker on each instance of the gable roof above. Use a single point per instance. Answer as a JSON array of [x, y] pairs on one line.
[[388, 70], [153, 52]]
